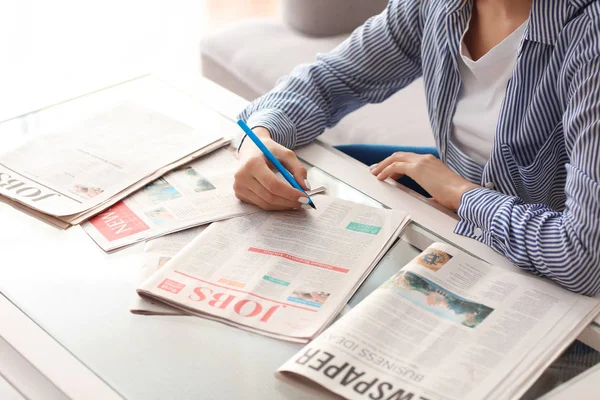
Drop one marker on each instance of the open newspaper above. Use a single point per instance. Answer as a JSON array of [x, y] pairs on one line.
[[282, 274], [195, 194], [446, 326], [67, 177]]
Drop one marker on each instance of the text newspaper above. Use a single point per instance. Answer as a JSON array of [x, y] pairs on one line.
[[157, 253], [70, 176], [446, 326], [195, 194], [284, 274]]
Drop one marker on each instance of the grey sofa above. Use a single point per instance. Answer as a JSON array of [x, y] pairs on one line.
[[249, 57]]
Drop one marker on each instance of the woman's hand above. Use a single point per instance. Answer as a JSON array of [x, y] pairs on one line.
[[445, 186], [256, 183]]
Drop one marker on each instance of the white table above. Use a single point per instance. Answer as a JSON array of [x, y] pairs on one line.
[[81, 296]]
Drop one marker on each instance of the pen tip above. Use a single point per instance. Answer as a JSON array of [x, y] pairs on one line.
[[313, 205]]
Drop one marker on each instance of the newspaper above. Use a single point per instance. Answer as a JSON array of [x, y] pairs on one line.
[[446, 326], [195, 194], [157, 253], [281, 274], [74, 174]]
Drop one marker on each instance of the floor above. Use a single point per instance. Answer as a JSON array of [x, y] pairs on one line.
[[54, 50]]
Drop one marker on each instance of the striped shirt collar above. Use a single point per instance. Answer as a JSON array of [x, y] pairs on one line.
[[546, 20]]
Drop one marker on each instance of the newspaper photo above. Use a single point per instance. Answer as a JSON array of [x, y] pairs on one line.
[[446, 326], [94, 162], [192, 195], [281, 274]]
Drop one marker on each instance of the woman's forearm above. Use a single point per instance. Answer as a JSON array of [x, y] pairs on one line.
[[377, 60]]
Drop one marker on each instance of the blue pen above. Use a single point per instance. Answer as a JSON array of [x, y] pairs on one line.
[[288, 177]]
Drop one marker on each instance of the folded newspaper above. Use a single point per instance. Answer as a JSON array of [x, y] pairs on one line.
[[282, 274], [195, 194], [446, 326], [67, 177]]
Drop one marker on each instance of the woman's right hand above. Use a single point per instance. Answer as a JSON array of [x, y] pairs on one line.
[[256, 182]]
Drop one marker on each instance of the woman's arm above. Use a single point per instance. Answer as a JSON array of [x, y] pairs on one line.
[[377, 60], [564, 246]]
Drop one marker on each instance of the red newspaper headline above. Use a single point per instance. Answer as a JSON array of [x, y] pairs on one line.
[[118, 222], [239, 291]]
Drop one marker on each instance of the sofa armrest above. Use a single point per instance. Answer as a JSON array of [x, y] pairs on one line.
[[328, 17]]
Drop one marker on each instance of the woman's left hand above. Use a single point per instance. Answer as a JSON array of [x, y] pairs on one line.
[[444, 185]]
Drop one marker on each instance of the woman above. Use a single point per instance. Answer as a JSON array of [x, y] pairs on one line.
[[513, 92]]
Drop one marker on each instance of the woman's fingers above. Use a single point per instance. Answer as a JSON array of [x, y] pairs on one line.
[[273, 190], [409, 160], [256, 183], [393, 170], [395, 176], [383, 164], [289, 160], [376, 169], [269, 198]]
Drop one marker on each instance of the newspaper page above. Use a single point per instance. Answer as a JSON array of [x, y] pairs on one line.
[[195, 194], [281, 274], [156, 254], [446, 326], [73, 171]]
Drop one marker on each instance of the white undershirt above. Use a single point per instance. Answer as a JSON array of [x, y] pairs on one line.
[[483, 87]]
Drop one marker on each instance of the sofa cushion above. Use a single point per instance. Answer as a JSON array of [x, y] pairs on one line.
[[261, 51], [321, 18], [250, 57]]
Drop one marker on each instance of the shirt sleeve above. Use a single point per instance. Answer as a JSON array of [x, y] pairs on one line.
[[378, 59], [563, 246]]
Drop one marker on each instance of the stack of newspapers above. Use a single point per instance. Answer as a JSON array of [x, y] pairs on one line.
[[445, 326], [67, 177]]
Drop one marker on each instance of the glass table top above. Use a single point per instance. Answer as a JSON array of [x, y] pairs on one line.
[[81, 296]]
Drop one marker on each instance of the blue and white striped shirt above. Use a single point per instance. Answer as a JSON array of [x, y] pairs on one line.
[[544, 211]]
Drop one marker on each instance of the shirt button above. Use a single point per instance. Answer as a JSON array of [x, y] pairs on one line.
[[477, 232], [490, 185]]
